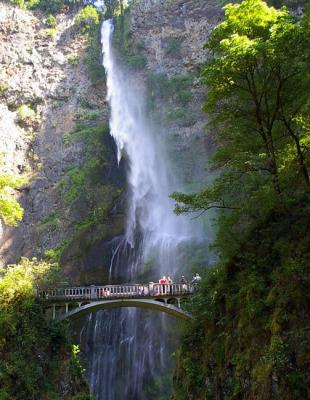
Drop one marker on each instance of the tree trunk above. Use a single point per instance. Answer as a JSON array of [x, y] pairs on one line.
[[301, 158]]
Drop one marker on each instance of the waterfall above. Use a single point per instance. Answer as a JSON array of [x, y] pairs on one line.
[[129, 348]]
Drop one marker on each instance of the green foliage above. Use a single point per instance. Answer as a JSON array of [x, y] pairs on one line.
[[172, 46], [251, 320], [51, 32], [52, 221], [25, 4], [53, 6], [175, 90], [85, 182], [3, 88], [51, 21], [53, 255], [33, 349], [10, 210], [88, 18], [73, 59], [288, 3], [256, 94], [87, 115], [251, 326], [85, 189], [115, 8], [93, 59], [48, 6], [76, 178], [26, 114], [129, 51]]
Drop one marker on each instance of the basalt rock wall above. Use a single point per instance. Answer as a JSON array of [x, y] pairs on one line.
[[46, 70], [171, 35]]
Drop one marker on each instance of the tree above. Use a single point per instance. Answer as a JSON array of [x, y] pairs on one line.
[[88, 18], [258, 97], [35, 352]]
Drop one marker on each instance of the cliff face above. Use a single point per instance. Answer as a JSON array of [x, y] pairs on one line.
[[171, 35], [45, 70], [174, 32], [69, 202]]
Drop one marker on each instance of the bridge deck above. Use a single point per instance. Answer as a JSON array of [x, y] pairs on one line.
[[78, 301], [110, 292]]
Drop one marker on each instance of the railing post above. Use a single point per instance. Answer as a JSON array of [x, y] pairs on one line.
[[54, 311], [93, 293], [179, 302], [67, 307]]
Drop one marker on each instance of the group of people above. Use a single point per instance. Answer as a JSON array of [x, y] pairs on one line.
[[167, 280]]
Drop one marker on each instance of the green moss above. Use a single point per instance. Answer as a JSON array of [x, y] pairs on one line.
[[173, 46], [87, 115], [53, 220], [174, 90], [53, 255], [93, 58], [129, 51], [84, 185], [79, 180]]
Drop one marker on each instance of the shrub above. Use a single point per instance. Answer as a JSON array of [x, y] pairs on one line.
[[51, 32], [73, 59], [26, 114], [52, 6], [3, 88], [93, 58], [34, 350], [51, 21], [25, 4], [87, 18], [87, 115]]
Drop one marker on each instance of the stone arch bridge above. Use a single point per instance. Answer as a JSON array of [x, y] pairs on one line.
[[74, 302]]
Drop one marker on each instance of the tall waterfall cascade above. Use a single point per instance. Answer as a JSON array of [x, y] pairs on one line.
[[130, 349]]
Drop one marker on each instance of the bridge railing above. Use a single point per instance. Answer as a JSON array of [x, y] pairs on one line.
[[117, 291]]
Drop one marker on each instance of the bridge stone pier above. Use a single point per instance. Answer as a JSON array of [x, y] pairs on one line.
[[74, 302]]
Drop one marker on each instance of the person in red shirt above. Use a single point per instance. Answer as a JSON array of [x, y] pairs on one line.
[[163, 282]]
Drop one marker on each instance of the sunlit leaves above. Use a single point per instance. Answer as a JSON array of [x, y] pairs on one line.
[[10, 210]]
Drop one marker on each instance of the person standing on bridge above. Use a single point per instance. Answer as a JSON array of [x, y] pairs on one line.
[[196, 281], [163, 283], [169, 282], [184, 283]]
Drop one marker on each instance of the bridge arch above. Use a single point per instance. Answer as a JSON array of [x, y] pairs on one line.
[[120, 303]]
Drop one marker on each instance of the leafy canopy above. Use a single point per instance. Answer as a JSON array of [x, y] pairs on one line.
[[88, 18], [258, 98], [34, 350]]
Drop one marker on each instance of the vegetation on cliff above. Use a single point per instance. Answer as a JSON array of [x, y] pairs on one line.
[[10, 210], [37, 359], [250, 338]]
